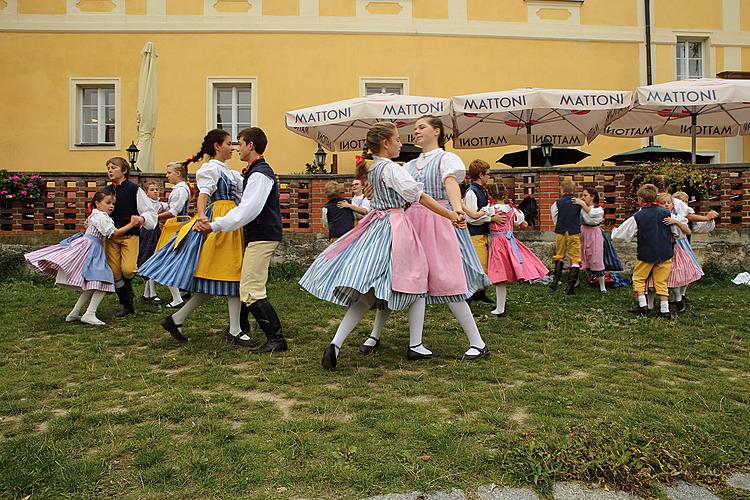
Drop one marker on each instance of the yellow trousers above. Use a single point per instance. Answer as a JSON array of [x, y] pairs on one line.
[[481, 244], [659, 272], [122, 255], [255, 270], [568, 245]]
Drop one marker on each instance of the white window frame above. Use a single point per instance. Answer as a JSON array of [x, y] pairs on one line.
[[75, 106], [704, 56], [364, 81], [225, 81]]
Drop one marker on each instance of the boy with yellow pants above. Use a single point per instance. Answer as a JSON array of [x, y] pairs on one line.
[[566, 215]]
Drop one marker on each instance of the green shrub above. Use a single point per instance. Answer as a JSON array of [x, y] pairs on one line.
[[12, 264], [286, 271]]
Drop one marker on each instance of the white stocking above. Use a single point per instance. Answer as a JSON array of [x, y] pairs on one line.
[[602, 284], [352, 318], [96, 299], [501, 291], [235, 307], [462, 312], [650, 299], [381, 316], [176, 297], [196, 300], [82, 299], [416, 325]]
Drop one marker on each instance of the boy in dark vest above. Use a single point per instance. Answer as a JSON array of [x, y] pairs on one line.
[[260, 214], [335, 217], [122, 251], [566, 215], [651, 225]]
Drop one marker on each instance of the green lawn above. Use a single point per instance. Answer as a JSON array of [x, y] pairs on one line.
[[576, 388]]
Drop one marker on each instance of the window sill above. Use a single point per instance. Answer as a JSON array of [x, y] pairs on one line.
[[103, 146]]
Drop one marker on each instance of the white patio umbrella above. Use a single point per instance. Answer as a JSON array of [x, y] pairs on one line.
[[532, 116], [343, 125], [705, 107], [146, 112]]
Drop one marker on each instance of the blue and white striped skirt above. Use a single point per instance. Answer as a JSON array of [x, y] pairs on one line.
[[362, 266], [476, 279], [685, 244]]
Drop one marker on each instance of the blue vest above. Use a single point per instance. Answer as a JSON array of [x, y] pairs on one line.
[[340, 220], [654, 237], [568, 215], [267, 225], [126, 204], [483, 200]]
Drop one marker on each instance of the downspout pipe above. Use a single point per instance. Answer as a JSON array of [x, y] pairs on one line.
[[649, 75]]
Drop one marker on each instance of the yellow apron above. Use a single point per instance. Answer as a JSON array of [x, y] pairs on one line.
[[171, 227]]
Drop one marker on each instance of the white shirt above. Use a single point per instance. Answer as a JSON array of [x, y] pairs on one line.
[[178, 198], [681, 208], [102, 222], [450, 165], [145, 207], [362, 202], [504, 208], [594, 217], [398, 179], [470, 199], [628, 229], [207, 178], [253, 200]]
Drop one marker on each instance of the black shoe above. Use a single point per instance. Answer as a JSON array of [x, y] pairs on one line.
[[413, 355], [367, 349], [496, 315], [679, 306], [250, 343], [482, 352], [125, 294], [269, 323], [557, 274], [152, 300], [481, 295], [666, 315], [329, 358], [174, 329], [175, 306], [572, 278], [641, 310]]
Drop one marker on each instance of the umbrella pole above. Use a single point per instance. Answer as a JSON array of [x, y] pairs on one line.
[[528, 145], [693, 123]]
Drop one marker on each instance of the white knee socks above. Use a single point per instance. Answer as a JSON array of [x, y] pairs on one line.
[[677, 293], [75, 313], [176, 297], [381, 316], [196, 300], [501, 291], [602, 284], [234, 306], [651, 298], [352, 318], [462, 312], [416, 326], [90, 316], [149, 290]]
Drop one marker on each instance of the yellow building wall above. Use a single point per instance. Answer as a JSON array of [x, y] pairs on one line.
[[337, 8], [745, 15], [608, 12], [493, 10], [185, 7], [281, 8], [135, 7], [430, 9], [42, 7], [49, 60], [689, 14]]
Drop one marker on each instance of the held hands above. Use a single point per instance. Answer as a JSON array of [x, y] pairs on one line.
[[202, 226], [459, 219], [136, 220]]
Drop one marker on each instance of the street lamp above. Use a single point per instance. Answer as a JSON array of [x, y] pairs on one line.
[[547, 152], [320, 159], [133, 156]]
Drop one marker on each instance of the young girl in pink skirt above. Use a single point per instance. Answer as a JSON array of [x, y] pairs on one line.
[[509, 260], [592, 238], [79, 262]]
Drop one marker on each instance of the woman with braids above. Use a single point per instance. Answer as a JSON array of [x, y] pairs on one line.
[[381, 259], [206, 266], [455, 273]]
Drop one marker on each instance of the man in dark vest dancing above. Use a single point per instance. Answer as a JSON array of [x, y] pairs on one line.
[[260, 214]]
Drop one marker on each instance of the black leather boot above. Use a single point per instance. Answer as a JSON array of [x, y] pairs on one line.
[[269, 323], [481, 295], [572, 279], [244, 320], [557, 274], [125, 294]]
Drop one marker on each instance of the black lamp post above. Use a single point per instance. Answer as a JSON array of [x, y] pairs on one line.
[[133, 156], [320, 159], [547, 152]]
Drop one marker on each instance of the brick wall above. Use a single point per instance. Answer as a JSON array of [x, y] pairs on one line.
[[63, 208]]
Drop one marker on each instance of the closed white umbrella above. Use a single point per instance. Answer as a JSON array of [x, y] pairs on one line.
[[343, 125], [532, 116], [147, 107], [705, 107]]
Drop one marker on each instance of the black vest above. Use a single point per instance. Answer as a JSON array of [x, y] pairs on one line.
[[340, 220], [654, 237], [126, 204], [483, 200], [267, 225], [568, 215]]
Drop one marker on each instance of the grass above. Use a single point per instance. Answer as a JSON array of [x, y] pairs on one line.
[[576, 389]]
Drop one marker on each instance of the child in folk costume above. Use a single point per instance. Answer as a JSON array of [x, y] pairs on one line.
[[175, 215], [381, 259], [509, 260], [148, 239], [566, 216], [209, 266], [79, 262], [359, 203], [455, 273], [336, 216]]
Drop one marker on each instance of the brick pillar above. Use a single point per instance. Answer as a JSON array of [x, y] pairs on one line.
[[548, 192]]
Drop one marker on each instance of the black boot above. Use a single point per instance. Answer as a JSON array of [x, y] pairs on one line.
[[269, 323], [572, 278], [557, 274], [244, 320], [481, 295], [125, 294]]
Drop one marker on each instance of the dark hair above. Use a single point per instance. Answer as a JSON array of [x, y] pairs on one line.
[[497, 191], [647, 193], [437, 123], [216, 136], [256, 136], [662, 183], [477, 168], [99, 196], [594, 194], [379, 132], [121, 162], [148, 184]]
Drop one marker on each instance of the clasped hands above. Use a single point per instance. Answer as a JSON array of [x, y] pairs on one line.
[[202, 226]]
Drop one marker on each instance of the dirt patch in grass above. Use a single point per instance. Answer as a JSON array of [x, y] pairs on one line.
[[575, 375], [60, 412], [519, 416], [283, 404], [174, 371], [42, 427], [421, 399]]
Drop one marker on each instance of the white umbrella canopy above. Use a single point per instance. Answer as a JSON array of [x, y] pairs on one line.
[[146, 112], [705, 107], [343, 125], [532, 115]]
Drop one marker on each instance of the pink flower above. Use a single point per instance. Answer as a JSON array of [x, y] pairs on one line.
[[4, 191], [23, 192], [29, 185], [34, 177], [15, 177]]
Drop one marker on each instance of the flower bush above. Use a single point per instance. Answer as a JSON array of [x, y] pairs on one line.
[[21, 186], [690, 178]]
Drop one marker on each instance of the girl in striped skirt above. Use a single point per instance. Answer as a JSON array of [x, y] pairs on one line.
[[381, 259], [79, 262], [148, 240], [207, 266], [455, 273]]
